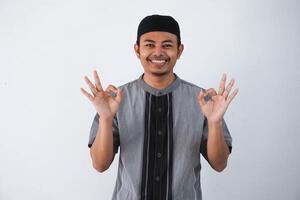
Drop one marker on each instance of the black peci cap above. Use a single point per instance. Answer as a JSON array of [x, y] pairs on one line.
[[158, 23]]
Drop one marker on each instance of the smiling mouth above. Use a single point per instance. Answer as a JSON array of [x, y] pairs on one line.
[[158, 62]]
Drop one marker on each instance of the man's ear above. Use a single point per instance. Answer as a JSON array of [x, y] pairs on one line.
[[137, 50], [180, 50]]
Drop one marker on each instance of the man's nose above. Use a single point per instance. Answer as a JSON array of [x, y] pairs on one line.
[[158, 51]]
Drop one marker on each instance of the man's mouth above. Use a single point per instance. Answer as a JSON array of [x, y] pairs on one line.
[[158, 62]]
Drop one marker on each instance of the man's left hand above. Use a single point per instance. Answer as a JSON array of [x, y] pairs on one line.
[[215, 107]]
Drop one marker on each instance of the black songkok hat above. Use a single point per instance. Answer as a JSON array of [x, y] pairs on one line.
[[158, 23]]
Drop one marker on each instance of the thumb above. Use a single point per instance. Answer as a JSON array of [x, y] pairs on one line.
[[119, 95], [201, 98]]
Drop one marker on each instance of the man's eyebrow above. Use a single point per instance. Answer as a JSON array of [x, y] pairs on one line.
[[149, 41], [165, 41]]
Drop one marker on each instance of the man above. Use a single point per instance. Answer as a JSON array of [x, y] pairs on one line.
[[160, 122]]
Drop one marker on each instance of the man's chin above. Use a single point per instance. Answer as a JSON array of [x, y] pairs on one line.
[[160, 73]]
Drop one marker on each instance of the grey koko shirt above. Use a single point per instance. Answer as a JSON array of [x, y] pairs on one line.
[[161, 134]]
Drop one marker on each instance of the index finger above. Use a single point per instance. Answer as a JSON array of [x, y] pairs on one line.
[[97, 81], [211, 92]]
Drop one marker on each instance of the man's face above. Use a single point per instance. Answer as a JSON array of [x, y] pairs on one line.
[[158, 52]]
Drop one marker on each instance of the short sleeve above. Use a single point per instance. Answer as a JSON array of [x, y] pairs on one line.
[[115, 130], [227, 137]]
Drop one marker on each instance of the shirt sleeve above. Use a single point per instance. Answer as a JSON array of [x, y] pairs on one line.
[[115, 130], [227, 136]]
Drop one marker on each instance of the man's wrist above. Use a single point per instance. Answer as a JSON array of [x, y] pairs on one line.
[[105, 119], [214, 123]]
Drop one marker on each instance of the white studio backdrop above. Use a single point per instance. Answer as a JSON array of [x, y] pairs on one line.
[[46, 47]]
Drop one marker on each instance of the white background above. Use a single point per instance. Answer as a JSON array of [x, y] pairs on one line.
[[46, 47]]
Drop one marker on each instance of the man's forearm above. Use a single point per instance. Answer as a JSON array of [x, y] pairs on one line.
[[217, 149], [102, 149]]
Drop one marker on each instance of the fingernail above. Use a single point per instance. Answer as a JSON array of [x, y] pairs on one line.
[[113, 94]]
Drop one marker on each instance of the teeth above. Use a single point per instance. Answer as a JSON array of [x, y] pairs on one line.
[[158, 61]]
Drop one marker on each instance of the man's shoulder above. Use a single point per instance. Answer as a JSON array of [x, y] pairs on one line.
[[130, 84], [191, 86]]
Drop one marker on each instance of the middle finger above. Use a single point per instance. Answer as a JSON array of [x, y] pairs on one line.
[[97, 81], [91, 85], [222, 84], [228, 88]]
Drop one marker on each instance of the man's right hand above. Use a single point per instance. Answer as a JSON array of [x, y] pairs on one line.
[[106, 102]]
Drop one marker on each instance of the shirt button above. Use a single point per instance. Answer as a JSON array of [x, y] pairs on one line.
[[159, 109], [158, 155], [159, 132], [157, 178]]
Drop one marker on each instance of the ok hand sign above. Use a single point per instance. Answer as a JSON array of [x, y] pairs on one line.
[[105, 102], [215, 108]]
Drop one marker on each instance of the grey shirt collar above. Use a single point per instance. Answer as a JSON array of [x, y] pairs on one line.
[[158, 92]]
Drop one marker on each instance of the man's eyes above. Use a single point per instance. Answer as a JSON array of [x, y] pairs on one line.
[[164, 45], [149, 45], [167, 45]]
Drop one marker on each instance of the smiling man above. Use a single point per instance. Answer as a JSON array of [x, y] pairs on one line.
[[160, 123]]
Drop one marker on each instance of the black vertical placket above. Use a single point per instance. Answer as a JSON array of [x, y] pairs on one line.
[[157, 156]]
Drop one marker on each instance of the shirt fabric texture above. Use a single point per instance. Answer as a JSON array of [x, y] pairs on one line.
[[160, 135]]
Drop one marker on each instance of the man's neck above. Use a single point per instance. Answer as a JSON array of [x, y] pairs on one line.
[[159, 82]]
